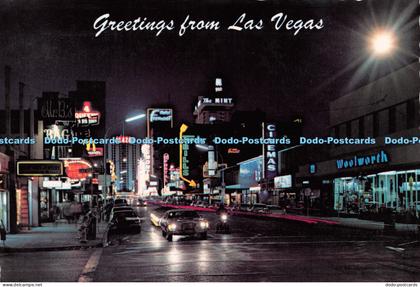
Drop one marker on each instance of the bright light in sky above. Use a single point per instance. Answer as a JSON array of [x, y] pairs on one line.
[[383, 43]]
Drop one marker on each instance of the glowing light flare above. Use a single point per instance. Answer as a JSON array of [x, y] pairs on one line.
[[383, 43], [134, 118]]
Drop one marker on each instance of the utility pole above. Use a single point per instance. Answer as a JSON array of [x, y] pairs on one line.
[[10, 152], [21, 116]]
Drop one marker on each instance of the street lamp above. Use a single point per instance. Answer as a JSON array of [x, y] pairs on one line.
[[382, 43], [134, 118], [128, 120]]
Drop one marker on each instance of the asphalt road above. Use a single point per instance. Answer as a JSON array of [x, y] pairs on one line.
[[256, 250]]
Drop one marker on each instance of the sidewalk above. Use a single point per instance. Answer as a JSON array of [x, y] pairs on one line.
[[51, 236], [369, 224]]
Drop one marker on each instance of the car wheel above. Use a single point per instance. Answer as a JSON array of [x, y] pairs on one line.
[[169, 237]]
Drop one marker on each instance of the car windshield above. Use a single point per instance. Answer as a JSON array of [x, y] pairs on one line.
[[183, 214], [119, 201], [126, 213]]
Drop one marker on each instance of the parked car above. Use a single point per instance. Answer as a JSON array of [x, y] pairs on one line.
[[118, 209], [203, 204], [244, 207], [124, 221], [259, 208], [276, 209], [183, 222]]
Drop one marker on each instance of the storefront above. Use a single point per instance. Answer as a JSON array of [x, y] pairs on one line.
[[4, 192], [283, 194], [250, 175], [4, 208], [399, 190], [368, 181]]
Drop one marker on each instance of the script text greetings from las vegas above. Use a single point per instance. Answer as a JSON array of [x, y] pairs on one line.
[[279, 21]]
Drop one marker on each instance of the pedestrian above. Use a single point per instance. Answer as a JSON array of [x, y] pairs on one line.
[[2, 232], [84, 228]]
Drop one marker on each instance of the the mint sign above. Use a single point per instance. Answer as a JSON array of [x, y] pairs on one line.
[[365, 160]]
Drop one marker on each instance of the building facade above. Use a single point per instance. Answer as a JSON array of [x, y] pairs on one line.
[[125, 157], [385, 170]]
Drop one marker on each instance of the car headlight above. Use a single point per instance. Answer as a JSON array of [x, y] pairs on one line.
[[172, 227], [204, 224]]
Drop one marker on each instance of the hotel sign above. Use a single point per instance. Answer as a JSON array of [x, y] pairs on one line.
[[361, 161], [218, 101], [160, 115]]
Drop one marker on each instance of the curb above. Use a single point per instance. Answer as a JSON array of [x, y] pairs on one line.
[[52, 248]]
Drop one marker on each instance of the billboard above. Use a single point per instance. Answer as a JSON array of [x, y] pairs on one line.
[[250, 172], [39, 168], [284, 181]]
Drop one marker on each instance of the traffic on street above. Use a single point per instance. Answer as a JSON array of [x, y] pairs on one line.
[[220, 141], [254, 250]]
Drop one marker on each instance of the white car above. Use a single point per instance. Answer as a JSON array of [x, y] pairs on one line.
[[183, 222]]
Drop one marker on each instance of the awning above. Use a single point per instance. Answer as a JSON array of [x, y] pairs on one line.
[[233, 186]]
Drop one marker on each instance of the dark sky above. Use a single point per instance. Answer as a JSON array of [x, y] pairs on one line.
[[51, 44]]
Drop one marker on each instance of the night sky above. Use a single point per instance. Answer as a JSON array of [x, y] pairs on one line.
[[50, 46]]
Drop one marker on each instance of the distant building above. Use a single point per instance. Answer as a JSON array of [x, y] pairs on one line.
[[217, 107], [125, 157], [371, 175]]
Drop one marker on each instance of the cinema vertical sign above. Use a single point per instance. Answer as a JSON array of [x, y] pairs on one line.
[[270, 160]]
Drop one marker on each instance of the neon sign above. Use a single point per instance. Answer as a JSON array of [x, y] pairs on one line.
[[165, 168], [269, 151], [87, 116]]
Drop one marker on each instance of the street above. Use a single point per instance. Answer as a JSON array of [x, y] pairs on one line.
[[256, 250]]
